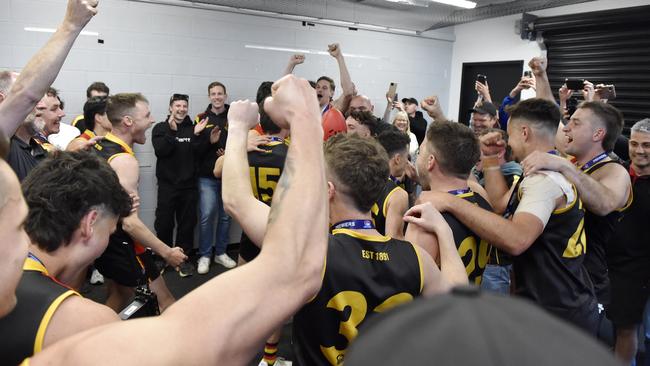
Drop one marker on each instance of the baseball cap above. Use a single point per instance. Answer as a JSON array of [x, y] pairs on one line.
[[485, 108], [470, 327], [410, 100]]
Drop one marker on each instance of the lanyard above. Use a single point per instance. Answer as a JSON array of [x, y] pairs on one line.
[[458, 192], [276, 139], [553, 152], [32, 256], [327, 108], [395, 180], [354, 224], [594, 161]]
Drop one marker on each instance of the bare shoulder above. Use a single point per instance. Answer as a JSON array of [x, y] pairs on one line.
[[75, 315]]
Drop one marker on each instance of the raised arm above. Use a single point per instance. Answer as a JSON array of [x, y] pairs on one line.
[[230, 315], [126, 167], [238, 198], [42, 69], [294, 60], [396, 207], [604, 191], [346, 80], [538, 67]]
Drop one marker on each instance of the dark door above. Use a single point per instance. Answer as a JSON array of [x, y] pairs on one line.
[[501, 78]]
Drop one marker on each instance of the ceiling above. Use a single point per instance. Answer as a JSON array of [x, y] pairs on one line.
[[419, 15]]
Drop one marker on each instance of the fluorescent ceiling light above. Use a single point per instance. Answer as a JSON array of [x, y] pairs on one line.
[[306, 51], [337, 22], [460, 3], [52, 30], [405, 31], [370, 26], [259, 12]]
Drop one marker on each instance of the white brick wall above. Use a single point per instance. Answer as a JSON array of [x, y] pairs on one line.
[[160, 50]]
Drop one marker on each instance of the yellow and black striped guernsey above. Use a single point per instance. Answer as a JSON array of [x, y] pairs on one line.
[[364, 275], [23, 330]]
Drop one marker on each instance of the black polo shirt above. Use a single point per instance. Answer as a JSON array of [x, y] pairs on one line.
[[24, 157]]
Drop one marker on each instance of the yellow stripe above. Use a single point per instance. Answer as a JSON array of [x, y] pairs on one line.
[[42, 328], [25, 362], [77, 119], [417, 254], [116, 155], [33, 265], [110, 137], [355, 234], [465, 195], [385, 208], [630, 199], [565, 209], [322, 279], [515, 179]]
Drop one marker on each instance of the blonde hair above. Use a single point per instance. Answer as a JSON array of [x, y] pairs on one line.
[[405, 116]]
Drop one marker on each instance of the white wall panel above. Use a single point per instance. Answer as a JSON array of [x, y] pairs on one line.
[[162, 49]]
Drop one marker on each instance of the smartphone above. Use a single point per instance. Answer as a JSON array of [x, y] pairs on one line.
[[481, 78], [575, 84], [607, 92], [392, 90], [528, 74]]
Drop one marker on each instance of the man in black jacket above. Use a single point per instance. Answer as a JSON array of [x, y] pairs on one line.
[[212, 142], [174, 142]]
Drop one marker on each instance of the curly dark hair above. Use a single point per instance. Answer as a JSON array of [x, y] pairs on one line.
[[263, 92], [367, 119], [393, 140], [359, 165], [61, 190]]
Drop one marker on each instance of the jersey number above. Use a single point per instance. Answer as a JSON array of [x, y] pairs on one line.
[[265, 182], [483, 253], [358, 309]]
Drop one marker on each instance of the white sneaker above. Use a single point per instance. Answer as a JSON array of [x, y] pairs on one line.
[[96, 278], [225, 260], [204, 265]]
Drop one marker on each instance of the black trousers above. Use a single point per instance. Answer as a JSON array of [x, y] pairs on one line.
[[176, 208]]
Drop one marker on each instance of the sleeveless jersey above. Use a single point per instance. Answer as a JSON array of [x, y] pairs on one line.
[[378, 210], [265, 170], [474, 251], [599, 231], [23, 330], [551, 272], [364, 275]]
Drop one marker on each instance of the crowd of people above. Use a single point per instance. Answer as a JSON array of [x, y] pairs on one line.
[[529, 219]]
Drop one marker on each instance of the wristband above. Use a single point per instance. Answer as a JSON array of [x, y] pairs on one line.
[[490, 162]]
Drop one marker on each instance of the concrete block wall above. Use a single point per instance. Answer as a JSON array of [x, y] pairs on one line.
[[163, 49]]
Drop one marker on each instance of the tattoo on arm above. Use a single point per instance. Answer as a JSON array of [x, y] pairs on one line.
[[283, 186]]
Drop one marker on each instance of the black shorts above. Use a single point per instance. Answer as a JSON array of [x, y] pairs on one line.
[[629, 294], [120, 264], [247, 249]]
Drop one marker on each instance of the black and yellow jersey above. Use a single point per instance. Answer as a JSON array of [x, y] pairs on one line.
[[265, 170], [111, 147], [79, 123], [474, 251], [599, 230], [39, 296], [379, 209], [364, 275], [551, 271], [45, 144]]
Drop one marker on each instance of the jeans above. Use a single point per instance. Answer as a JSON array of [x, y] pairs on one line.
[[211, 204], [496, 279]]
